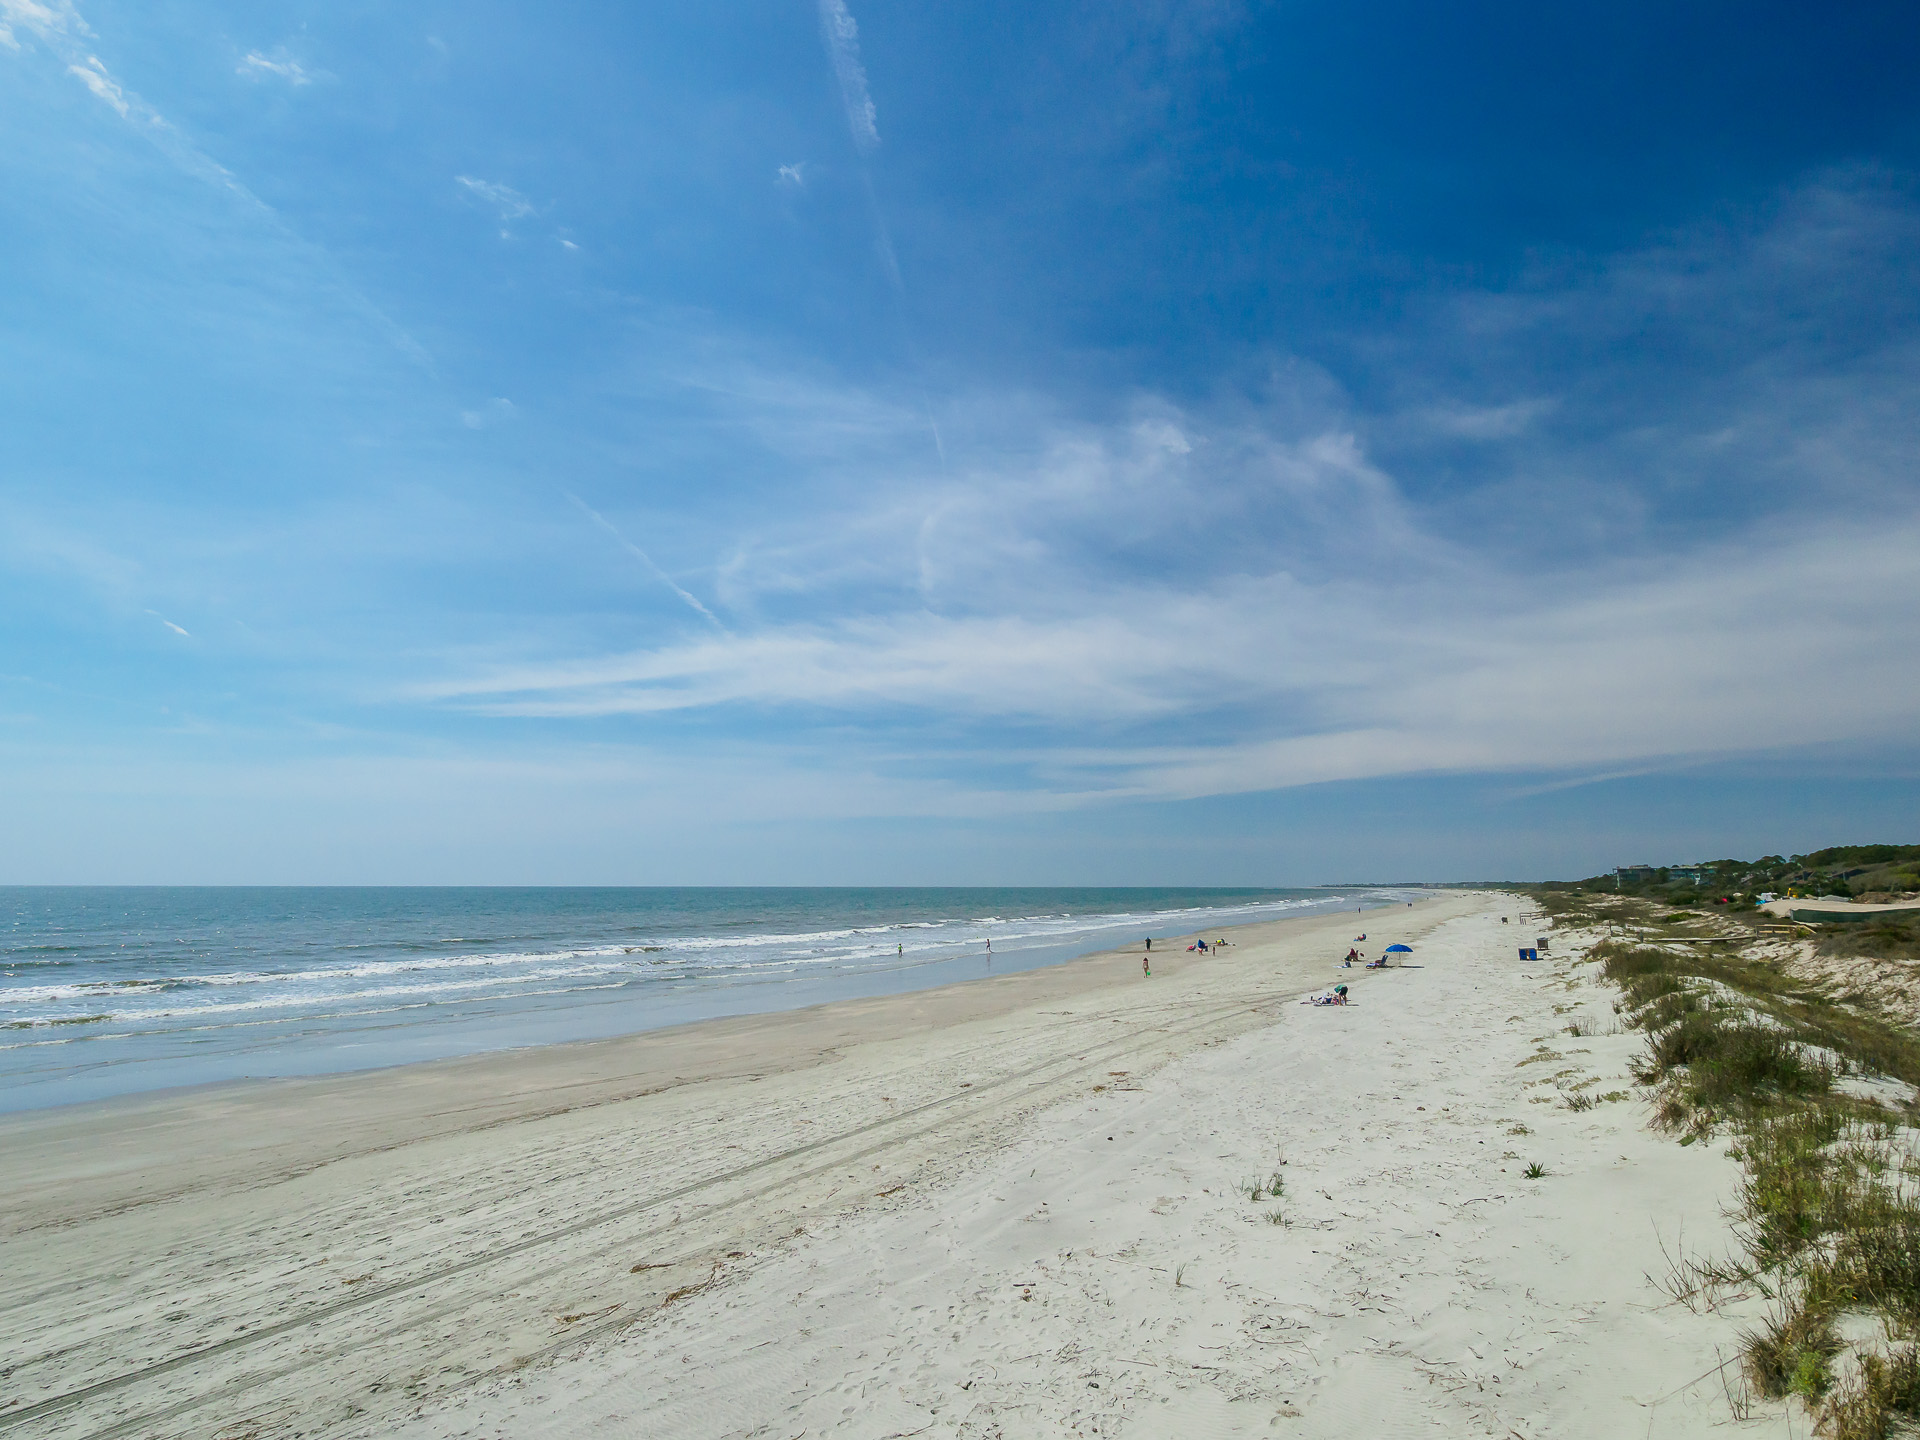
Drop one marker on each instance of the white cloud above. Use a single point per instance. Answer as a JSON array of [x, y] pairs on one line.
[[1250, 572], [64, 32], [1758, 645], [511, 204], [46, 22], [66, 36], [842, 38], [257, 66], [94, 76], [794, 175], [168, 623]]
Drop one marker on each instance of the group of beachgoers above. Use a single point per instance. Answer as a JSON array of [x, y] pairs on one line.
[[1203, 946], [1338, 995], [1354, 953], [1335, 996]]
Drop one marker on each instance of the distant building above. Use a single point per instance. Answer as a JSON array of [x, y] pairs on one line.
[[1627, 875]]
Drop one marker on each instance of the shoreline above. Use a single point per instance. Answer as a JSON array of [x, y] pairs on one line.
[[424, 1099], [159, 1252], [82, 1067]]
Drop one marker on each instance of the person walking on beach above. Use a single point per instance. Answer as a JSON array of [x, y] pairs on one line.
[[1146, 966], [1149, 942]]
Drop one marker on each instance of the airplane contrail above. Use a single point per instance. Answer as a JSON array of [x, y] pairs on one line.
[[645, 559], [842, 37], [843, 48]]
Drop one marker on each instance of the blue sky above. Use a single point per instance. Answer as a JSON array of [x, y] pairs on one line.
[[842, 443]]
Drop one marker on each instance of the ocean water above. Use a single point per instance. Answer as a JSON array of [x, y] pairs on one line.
[[115, 990]]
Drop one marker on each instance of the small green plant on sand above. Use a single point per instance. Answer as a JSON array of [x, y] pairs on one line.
[[1270, 1188], [1534, 1171], [1812, 1376]]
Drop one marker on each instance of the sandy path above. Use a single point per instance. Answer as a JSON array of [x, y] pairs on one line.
[[1102, 1274], [320, 1257]]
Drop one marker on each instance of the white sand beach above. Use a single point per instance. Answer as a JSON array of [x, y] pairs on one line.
[[1008, 1207]]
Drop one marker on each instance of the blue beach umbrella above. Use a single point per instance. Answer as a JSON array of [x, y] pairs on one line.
[[1399, 949]]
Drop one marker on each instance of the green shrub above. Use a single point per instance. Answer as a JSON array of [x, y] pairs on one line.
[[1729, 1060]]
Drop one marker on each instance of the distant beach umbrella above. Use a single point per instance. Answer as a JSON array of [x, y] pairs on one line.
[[1399, 949]]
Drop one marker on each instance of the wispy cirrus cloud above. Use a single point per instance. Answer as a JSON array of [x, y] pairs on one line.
[[47, 22], [507, 201], [1338, 680], [92, 74], [1249, 570], [66, 34], [256, 66]]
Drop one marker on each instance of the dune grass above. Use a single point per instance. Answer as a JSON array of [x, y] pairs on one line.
[[1828, 1213]]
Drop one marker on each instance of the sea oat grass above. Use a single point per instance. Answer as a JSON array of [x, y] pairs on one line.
[[1828, 1211], [1884, 1393]]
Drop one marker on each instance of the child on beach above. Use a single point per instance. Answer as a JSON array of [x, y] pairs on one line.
[[1146, 966]]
